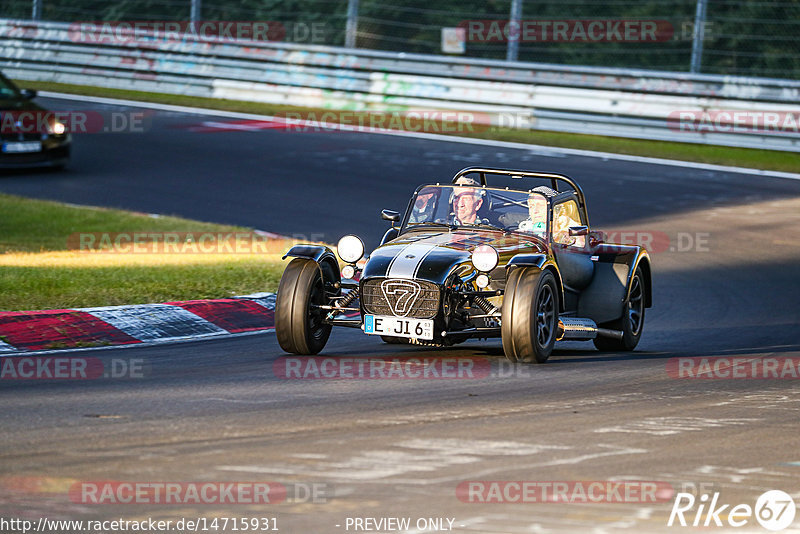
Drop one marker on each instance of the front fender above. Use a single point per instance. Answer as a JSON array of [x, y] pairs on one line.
[[539, 262], [318, 253], [526, 260]]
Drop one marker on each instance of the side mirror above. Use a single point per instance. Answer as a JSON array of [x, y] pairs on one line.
[[575, 231], [28, 94], [389, 215]]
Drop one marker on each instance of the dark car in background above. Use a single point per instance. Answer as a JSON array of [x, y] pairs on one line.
[[30, 136]]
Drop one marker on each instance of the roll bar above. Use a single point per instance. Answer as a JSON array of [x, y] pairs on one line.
[[554, 178]]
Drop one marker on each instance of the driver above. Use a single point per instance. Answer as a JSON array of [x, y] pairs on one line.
[[466, 203]]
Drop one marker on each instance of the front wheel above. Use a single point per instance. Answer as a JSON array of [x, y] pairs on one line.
[[631, 323], [530, 315], [299, 323]]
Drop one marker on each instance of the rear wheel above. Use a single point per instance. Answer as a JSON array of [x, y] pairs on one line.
[[631, 323], [299, 324], [530, 315]]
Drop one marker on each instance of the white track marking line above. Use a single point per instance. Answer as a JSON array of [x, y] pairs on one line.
[[437, 137], [666, 426], [385, 466]]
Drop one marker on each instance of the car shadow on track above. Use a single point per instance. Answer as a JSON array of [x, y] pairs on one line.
[[571, 356]]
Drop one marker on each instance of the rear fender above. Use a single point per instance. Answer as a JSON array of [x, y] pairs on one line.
[[614, 267]]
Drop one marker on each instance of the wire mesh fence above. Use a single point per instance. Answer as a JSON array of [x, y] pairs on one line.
[[739, 37]]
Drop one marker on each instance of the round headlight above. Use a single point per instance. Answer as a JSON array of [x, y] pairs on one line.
[[350, 249], [348, 272], [59, 128], [485, 258]]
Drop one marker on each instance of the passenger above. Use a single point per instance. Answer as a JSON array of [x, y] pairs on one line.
[[565, 216], [537, 215]]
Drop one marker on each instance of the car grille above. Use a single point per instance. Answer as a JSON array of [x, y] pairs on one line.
[[374, 298]]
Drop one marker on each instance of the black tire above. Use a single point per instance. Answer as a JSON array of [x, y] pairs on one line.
[[392, 340], [298, 327], [631, 323], [530, 315]]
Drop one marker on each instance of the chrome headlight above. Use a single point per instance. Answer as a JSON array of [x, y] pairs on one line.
[[348, 271], [350, 248], [485, 258]]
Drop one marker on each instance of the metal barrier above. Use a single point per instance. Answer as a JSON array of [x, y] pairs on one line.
[[616, 102]]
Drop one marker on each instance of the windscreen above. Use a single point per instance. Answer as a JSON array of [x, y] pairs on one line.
[[475, 206]]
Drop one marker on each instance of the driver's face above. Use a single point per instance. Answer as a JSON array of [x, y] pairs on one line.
[[466, 206]]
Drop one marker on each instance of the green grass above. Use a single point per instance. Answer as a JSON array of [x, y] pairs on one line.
[[35, 288], [29, 225], [37, 271], [741, 157]]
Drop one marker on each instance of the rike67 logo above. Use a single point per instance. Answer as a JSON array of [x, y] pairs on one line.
[[774, 510]]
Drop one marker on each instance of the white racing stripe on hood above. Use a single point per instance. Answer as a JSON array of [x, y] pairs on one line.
[[408, 260], [403, 267]]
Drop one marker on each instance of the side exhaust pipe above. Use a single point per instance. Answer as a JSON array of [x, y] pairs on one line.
[[577, 329]]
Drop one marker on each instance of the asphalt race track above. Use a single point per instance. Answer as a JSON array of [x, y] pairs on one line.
[[725, 254]]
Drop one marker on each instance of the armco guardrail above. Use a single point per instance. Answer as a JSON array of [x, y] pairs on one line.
[[617, 102]]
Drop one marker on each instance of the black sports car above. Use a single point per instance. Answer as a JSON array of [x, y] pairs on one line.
[[468, 260], [29, 135]]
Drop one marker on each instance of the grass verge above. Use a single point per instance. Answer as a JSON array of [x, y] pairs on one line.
[[740, 157], [39, 268]]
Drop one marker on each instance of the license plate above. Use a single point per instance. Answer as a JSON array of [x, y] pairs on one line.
[[384, 325], [22, 146]]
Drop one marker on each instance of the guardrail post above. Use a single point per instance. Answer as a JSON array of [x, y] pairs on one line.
[[352, 24], [514, 30], [698, 36], [36, 11], [196, 11]]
